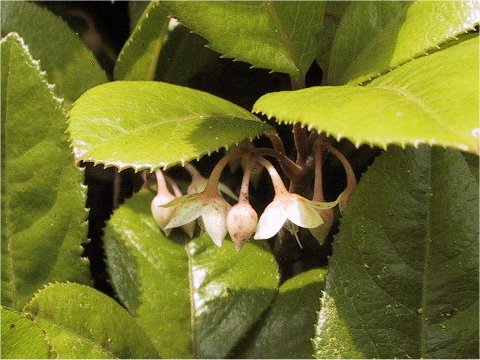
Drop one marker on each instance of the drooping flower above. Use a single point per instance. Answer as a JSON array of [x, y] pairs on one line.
[[242, 218], [211, 208], [206, 204], [162, 215], [287, 206]]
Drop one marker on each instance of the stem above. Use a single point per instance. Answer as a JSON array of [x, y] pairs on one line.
[[176, 190], [291, 169], [194, 173], [318, 184], [299, 134], [274, 175], [276, 142], [161, 183], [301, 143], [212, 184], [351, 180], [246, 181]]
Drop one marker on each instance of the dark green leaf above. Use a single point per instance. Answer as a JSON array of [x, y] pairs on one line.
[[21, 338], [81, 322], [403, 280], [43, 214], [69, 64], [192, 298], [389, 33], [288, 327], [276, 35], [176, 64], [139, 56], [334, 11], [147, 124], [429, 100]]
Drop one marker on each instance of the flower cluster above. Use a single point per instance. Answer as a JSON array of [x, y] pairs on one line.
[[204, 202]]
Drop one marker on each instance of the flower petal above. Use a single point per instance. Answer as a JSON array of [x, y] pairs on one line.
[[301, 212], [214, 216], [186, 212], [272, 220]]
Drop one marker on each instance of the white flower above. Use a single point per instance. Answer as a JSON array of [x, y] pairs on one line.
[[212, 209], [286, 206]]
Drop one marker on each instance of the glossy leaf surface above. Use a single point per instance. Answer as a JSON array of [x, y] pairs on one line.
[[139, 56], [429, 100], [288, 327], [81, 322], [43, 213], [21, 338], [403, 280], [389, 33], [192, 298], [281, 36], [68, 63], [146, 125]]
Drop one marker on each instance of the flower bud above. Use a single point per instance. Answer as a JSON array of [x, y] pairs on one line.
[[241, 223], [162, 215]]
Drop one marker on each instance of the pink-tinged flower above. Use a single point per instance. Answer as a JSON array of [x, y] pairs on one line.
[[293, 207], [287, 206], [199, 183], [242, 221], [162, 215], [212, 210]]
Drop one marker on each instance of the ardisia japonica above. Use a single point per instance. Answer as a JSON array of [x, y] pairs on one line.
[[204, 201]]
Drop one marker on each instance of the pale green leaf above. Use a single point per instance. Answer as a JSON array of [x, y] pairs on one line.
[[21, 338], [389, 33], [146, 125], [80, 322], [430, 100], [192, 298], [139, 56], [403, 280], [276, 35], [43, 214], [69, 64], [288, 327]]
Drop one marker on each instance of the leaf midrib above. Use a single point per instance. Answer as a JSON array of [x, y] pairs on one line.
[[373, 41], [6, 198], [423, 316], [286, 42], [416, 100]]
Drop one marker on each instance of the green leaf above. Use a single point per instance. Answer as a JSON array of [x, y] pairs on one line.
[[69, 64], [146, 125], [288, 327], [429, 100], [334, 11], [281, 36], [139, 56], [21, 338], [43, 214], [81, 322], [403, 280], [176, 64], [192, 298], [389, 33]]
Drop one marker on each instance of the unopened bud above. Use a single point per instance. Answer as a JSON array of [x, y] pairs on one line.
[[162, 215], [241, 223]]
